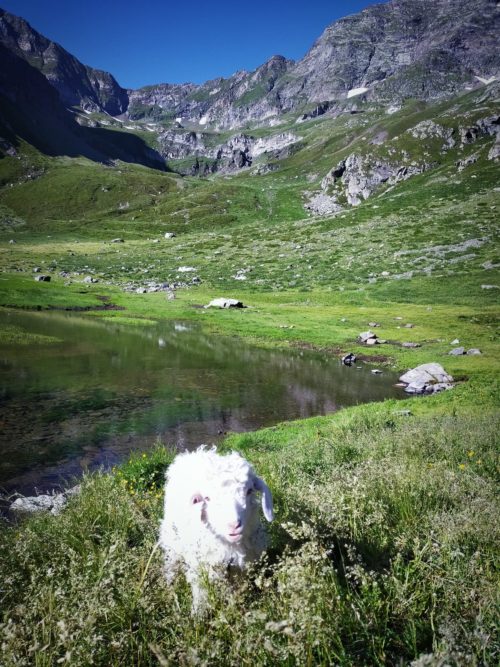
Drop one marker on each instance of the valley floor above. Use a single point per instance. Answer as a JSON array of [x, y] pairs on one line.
[[385, 542]]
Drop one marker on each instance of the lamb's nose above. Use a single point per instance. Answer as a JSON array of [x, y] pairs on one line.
[[234, 525]]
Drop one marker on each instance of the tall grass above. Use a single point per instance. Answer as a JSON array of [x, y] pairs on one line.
[[383, 552]]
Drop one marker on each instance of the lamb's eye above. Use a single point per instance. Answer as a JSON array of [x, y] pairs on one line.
[[197, 498], [250, 490]]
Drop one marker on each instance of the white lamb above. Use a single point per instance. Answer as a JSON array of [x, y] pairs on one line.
[[211, 522]]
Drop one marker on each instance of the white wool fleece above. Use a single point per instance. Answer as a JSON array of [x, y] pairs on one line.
[[211, 518]]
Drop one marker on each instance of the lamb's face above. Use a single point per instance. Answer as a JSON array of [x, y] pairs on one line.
[[228, 508], [207, 491]]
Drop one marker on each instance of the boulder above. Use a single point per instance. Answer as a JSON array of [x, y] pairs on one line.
[[473, 351], [42, 279], [426, 379], [365, 336], [169, 235], [89, 279], [222, 302], [457, 351]]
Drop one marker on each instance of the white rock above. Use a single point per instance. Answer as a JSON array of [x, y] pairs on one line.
[[431, 373]]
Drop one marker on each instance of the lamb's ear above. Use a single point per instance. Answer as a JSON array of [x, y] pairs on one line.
[[267, 498]]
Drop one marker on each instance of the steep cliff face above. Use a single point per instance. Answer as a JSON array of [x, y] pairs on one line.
[[405, 48], [425, 49], [77, 84]]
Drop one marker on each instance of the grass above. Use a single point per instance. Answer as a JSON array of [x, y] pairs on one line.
[[385, 544], [385, 525]]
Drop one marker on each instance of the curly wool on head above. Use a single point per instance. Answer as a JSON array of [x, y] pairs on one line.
[[211, 520]]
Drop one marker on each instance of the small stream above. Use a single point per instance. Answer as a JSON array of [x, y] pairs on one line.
[[99, 389]]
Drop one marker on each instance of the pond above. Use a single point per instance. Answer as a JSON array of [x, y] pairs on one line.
[[77, 392]]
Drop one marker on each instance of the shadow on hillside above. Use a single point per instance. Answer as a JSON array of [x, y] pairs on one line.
[[31, 111]]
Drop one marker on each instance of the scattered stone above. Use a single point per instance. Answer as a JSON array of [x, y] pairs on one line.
[[409, 326], [186, 269], [367, 336], [489, 287], [373, 324], [457, 351], [170, 295], [474, 351], [42, 279], [402, 413], [37, 269], [343, 319], [53, 503], [426, 379], [12, 241], [169, 235], [225, 303], [90, 279], [411, 345], [117, 241], [141, 290], [349, 359], [376, 371], [455, 342]]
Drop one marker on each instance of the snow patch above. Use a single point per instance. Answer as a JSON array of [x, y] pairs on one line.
[[486, 81], [356, 91]]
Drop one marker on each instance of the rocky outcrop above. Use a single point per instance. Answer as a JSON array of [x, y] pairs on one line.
[[237, 152]]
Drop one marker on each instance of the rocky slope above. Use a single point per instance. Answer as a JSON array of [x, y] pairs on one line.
[[77, 84], [424, 49]]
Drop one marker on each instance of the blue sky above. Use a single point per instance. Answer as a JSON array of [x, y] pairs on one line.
[[157, 41]]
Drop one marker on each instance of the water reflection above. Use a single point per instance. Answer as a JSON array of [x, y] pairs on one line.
[[103, 389]]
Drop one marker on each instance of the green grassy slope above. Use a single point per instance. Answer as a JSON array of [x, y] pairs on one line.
[[383, 550]]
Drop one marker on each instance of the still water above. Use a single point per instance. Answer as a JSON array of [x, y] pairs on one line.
[[102, 389]]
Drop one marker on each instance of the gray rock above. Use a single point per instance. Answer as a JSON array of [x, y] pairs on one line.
[[12, 241], [37, 269], [426, 379], [169, 235], [455, 342], [141, 290], [365, 336], [457, 351], [53, 503], [90, 279], [474, 351], [42, 279], [222, 302], [117, 241], [373, 324], [402, 413], [410, 345], [376, 371]]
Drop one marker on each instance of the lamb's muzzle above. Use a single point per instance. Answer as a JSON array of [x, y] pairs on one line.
[[212, 516]]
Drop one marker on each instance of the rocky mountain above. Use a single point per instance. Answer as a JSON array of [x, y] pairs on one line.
[[422, 49], [78, 85], [389, 52]]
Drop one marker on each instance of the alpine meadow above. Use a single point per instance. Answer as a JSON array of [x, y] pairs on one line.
[[339, 214]]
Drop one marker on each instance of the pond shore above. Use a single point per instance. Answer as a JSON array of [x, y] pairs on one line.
[[386, 515]]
